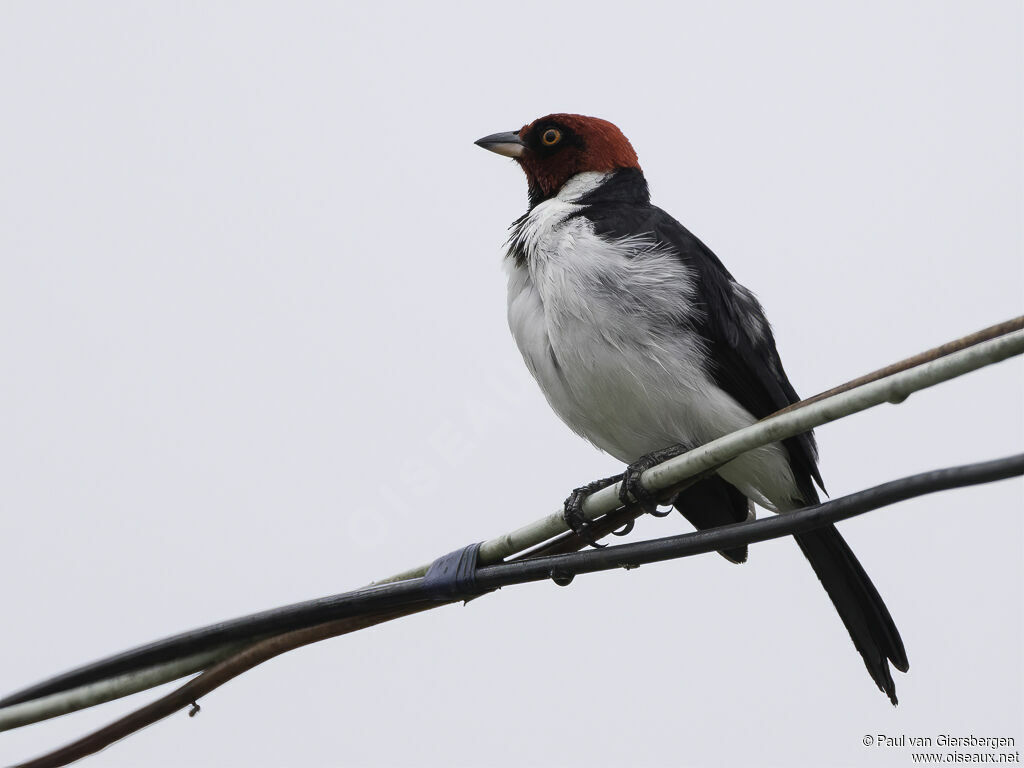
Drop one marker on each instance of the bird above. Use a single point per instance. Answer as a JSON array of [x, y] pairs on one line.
[[645, 345]]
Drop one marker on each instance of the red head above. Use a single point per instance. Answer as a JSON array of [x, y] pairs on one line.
[[555, 148]]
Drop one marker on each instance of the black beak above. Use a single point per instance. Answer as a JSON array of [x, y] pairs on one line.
[[508, 144]]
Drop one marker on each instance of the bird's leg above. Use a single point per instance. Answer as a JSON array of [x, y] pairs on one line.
[[633, 491], [573, 513]]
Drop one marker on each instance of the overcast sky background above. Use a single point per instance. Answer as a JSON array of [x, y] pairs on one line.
[[254, 351]]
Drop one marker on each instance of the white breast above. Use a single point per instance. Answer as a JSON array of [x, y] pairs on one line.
[[602, 326]]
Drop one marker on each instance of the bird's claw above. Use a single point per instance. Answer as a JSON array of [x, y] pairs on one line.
[[625, 530], [632, 490], [573, 510]]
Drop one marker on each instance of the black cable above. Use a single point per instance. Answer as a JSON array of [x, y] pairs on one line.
[[738, 534], [561, 568]]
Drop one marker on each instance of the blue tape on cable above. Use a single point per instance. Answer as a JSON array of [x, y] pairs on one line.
[[453, 576]]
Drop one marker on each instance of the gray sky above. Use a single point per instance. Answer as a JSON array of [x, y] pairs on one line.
[[254, 351]]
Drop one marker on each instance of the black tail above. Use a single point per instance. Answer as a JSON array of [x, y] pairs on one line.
[[858, 603], [713, 502]]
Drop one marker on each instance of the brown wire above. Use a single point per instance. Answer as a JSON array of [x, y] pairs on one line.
[[210, 679], [986, 334], [264, 650]]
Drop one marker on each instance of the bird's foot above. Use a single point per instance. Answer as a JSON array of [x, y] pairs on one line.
[[573, 514], [632, 490]]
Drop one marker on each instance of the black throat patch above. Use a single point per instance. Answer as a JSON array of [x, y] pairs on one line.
[[625, 187]]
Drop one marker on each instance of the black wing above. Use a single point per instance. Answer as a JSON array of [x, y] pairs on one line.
[[745, 362]]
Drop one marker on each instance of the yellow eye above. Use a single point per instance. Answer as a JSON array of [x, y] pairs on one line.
[[551, 137]]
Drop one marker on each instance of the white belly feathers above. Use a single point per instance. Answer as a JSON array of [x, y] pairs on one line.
[[602, 326]]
